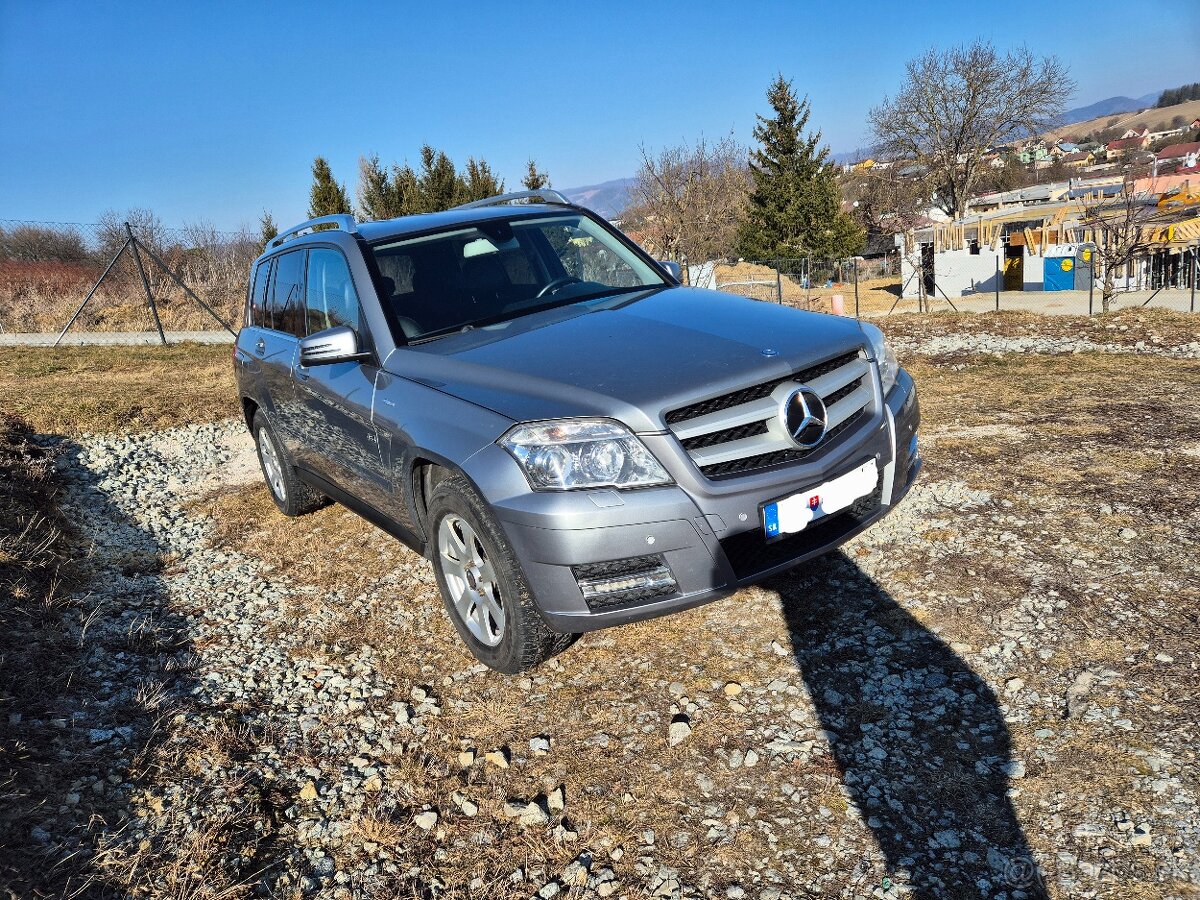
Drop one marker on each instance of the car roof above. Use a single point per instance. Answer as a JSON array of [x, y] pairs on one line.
[[406, 225]]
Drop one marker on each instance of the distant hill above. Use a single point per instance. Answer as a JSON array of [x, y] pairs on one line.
[[1109, 107], [1154, 118], [609, 198]]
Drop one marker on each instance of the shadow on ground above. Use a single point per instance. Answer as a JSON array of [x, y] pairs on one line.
[[919, 738]]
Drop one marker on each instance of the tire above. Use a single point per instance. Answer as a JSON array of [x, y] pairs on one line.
[[484, 590], [291, 495]]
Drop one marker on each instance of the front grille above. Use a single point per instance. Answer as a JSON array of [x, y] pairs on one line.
[[750, 553], [777, 457], [740, 431], [632, 565], [757, 392]]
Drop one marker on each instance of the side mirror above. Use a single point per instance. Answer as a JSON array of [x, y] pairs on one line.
[[672, 269], [333, 345]]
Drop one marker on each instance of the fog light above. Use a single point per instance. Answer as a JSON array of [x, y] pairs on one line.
[[650, 581]]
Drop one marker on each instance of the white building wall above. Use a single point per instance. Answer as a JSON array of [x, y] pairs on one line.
[[958, 273]]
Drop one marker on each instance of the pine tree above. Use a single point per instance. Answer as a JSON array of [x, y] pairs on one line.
[[374, 190], [480, 181], [439, 185], [535, 180], [327, 197], [267, 230], [795, 205]]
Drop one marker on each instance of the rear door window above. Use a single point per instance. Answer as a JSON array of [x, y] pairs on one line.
[[331, 298], [287, 294], [260, 314]]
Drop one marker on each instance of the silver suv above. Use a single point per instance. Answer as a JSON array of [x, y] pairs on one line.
[[518, 392]]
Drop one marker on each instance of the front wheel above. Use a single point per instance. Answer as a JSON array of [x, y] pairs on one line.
[[482, 584]]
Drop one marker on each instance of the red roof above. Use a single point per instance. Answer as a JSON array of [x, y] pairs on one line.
[[1178, 151], [1126, 143]]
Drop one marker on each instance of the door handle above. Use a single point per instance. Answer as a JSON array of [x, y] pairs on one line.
[[261, 347]]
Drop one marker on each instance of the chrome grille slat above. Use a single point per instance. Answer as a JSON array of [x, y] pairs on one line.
[[720, 434], [839, 378], [755, 411], [846, 407]]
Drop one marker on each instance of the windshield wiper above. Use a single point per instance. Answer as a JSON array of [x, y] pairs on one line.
[[530, 310]]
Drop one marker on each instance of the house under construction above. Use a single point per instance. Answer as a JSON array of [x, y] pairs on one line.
[[1051, 246]]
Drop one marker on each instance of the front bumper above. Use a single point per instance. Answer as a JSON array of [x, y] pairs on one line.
[[709, 535]]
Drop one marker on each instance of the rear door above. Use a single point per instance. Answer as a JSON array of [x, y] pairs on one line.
[[277, 347], [340, 443], [250, 340]]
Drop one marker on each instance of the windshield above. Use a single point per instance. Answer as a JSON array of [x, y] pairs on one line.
[[503, 269]]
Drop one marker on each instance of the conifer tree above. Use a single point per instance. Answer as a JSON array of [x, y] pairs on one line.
[[267, 230], [374, 190], [534, 180], [439, 185], [480, 181], [326, 197], [795, 205]]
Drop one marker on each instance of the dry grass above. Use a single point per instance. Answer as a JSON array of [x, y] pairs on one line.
[[1019, 426], [72, 390], [37, 657], [1124, 327]]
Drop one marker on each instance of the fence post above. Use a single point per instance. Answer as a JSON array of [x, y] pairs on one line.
[[137, 258], [1092, 283], [856, 315], [1193, 305], [778, 283], [808, 283], [997, 284], [112, 262]]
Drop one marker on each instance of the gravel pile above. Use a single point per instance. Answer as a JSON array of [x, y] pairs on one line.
[[982, 342], [824, 739]]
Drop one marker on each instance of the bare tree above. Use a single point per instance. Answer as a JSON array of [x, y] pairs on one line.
[[111, 235], [956, 104], [1121, 227], [688, 200], [887, 203]]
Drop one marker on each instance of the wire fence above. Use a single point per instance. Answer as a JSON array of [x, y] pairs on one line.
[[895, 284], [47, 268], [855, 286]]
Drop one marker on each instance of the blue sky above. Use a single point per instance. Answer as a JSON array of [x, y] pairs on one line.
[[211, 111]]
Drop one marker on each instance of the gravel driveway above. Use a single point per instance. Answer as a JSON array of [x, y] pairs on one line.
[[989, 694]]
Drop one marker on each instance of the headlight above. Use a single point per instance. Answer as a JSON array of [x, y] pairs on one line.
[[888, 367], [564, 454]]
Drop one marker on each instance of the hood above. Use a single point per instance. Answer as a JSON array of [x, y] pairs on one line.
[[632, 361]]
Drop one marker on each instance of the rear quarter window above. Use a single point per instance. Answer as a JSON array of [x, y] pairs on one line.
[[259, 314]]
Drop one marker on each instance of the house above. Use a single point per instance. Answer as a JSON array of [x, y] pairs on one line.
[[1064, 148], [1134, 133], [1078, 159], [1183, 156], [1171, 132], [1033, 153], [1119, 148]]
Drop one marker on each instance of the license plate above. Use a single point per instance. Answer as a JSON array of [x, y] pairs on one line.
[[792, 514]]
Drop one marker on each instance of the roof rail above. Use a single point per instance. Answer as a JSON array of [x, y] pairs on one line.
[[546, 195], [342, 221]]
